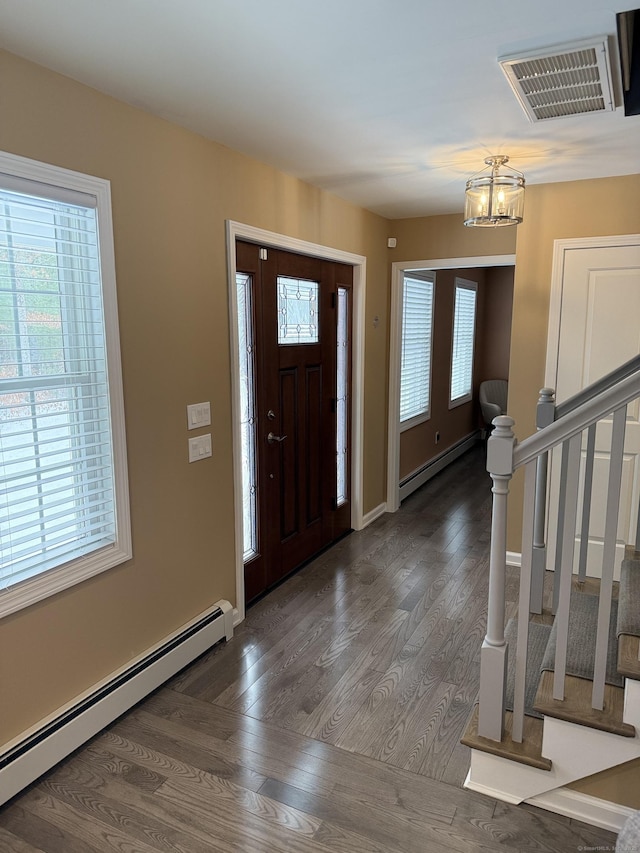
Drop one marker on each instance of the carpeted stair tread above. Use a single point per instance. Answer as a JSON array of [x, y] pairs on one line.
[[583, 623], [538, 639], [629, 598]]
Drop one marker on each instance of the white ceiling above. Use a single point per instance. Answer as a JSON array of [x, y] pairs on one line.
[[391, 104]]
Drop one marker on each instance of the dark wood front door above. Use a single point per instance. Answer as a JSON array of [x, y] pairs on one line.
[[302, 382]]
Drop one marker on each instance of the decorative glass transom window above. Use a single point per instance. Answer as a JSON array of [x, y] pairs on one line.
[[297, 311]]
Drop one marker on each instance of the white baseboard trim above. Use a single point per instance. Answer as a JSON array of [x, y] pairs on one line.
[[566, 802], [488, 791], [371, 516], [37, 750], [423, 474], [514, 558], [591, 810]]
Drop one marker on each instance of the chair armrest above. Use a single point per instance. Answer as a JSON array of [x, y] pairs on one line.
[[490, 411]]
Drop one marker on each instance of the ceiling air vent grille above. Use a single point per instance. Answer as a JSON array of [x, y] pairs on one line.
[[566, 80]]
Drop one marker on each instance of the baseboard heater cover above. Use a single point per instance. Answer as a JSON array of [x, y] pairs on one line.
[[25, 760], [422, 475]]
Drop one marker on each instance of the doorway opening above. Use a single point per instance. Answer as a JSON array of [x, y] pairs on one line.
[[441, 362]]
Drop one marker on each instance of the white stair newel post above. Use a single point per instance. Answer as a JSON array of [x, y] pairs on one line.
[[545, 415], [493, 657]]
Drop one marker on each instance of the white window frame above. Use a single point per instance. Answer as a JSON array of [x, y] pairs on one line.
[[462, 284], [428, 278], [54, 181]]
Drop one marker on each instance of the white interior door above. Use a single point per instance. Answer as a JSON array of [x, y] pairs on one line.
[[598, 330]]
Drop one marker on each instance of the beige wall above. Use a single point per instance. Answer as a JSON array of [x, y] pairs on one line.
[[617, 784], [172, 191], [494, 346], [593, 208], [433, 237]]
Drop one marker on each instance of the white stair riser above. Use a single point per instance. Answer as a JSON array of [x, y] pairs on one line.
[[575, 752]]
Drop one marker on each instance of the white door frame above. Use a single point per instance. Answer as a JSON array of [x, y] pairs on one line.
[[240, 231], [398, 269], [560, 247]]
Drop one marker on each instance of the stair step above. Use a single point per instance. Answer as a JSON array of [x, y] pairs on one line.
[[629, 604], [576, 705], [528, 752], [628, 663], [583, 625], [538, 640]]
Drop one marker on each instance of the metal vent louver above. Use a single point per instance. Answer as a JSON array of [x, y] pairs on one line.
[[566, 80]]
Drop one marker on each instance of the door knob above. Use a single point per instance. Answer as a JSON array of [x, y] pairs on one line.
[[271, 438]]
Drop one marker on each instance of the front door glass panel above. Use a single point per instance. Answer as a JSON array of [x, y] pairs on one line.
[[297, 311], [342, 399], [246, 360]]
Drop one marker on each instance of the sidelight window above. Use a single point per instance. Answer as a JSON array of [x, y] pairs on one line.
[[342, 395], [246, 359]]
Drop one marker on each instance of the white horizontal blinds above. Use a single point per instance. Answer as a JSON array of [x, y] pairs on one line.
[[417, 330], [464, 327], [56, 460]]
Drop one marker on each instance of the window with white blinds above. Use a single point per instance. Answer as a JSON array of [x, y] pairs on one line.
[[464, 330], [417, 334], [63, 492]]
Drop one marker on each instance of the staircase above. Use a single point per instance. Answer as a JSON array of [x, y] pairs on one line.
[[560, 682]]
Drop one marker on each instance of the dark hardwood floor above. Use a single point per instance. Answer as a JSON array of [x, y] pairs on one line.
[[329, 724]]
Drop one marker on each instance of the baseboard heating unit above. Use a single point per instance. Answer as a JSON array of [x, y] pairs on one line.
[[25, 759]]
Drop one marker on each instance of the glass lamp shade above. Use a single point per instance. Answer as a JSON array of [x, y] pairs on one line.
[[493, 199]]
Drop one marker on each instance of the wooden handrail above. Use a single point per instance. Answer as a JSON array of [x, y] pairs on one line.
[[598, 387], [577, 420]]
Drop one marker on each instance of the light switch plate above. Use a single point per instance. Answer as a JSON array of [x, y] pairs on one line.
[[198, 415], [199, 447]]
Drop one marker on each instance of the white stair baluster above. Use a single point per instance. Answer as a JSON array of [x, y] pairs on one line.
[[568, 534], [545, 414], [524, 604], [586, 502], [638, 527], [562, 504], [493, 656], [608, 555]]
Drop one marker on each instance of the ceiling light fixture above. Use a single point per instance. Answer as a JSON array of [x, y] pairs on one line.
[[494, 196]]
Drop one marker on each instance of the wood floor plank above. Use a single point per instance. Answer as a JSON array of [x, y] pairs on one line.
[[122, 806], [233, 753], [40, 832], [528, 829], [195, 751], [383, 826], [10, 843], [207, 814], [329, 724], [80, 833]]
